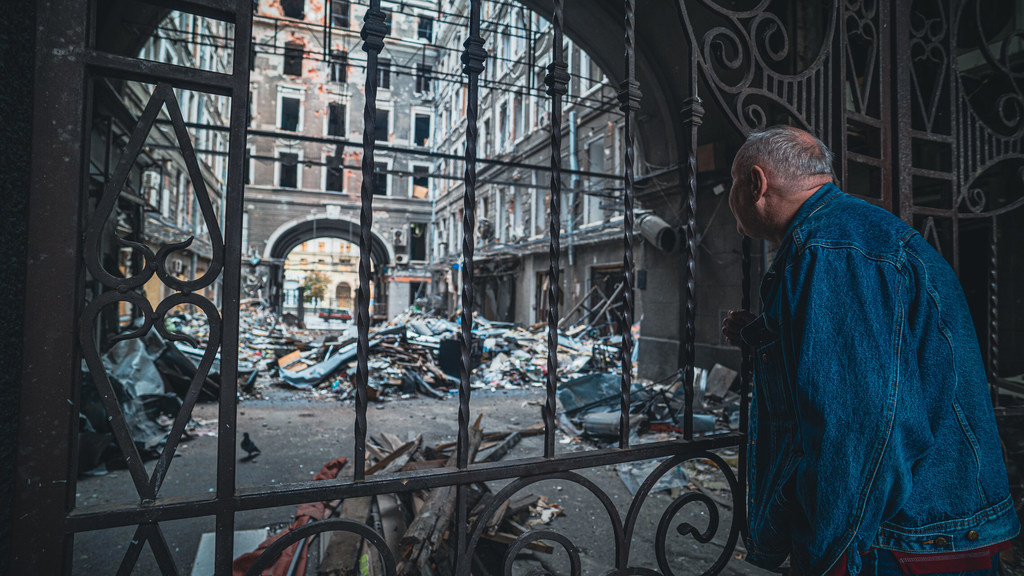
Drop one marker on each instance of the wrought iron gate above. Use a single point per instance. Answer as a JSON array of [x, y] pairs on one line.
[[853, 72]]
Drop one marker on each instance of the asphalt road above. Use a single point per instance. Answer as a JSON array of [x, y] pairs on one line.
[[297, 435]]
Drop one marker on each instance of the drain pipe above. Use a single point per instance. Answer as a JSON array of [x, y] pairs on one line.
[[573, 183]]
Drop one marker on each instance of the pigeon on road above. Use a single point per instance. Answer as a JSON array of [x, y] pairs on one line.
[[249, 446]]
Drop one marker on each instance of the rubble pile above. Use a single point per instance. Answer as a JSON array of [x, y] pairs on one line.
[[416, 525]]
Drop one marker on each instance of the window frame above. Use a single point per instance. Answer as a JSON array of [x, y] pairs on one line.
[[391, 123], [347, 17], [288, 53], [344, 120], [278, 164], [412, 179], [419, 111], [326, 171], [295, 92], [388, 183]]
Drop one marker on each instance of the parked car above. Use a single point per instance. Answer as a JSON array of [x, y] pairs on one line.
[[336, 314]]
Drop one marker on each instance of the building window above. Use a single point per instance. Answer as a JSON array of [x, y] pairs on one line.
[[423, 77], [340, 13], [421, 182], [293, 59], [421, 132], [293, 8], [335, 119], [290, 114], [595, 163], [339, 66], [417, 241], [289, 170], [381, 130], [335, 180], [425, 30], [380, 178], [383, 73]]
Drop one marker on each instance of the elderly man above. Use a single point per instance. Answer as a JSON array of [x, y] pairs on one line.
[[873, 445]]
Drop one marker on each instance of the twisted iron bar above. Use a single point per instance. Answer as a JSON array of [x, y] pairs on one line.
[[472, 65], [557, 81], [629, 97], [693, 114], [373, 33]]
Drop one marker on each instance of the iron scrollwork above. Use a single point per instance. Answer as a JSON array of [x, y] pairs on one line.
[[623, 530], [125, 290], [744, 60]]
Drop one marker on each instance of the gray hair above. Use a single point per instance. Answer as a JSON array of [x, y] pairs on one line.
[[788, 153]]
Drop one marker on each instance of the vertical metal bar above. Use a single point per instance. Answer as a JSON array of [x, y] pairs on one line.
[[901, 112], [885, 109], [693, 114], [557, 81], [472, 66], [373, 34], [629, 97], [746, 374], [225, 527], [993, 308], [44, 485]]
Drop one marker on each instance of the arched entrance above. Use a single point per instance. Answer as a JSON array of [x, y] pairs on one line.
[[295, 232]]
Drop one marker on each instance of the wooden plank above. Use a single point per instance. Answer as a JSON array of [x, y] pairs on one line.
[[341, 558], [508, 539]]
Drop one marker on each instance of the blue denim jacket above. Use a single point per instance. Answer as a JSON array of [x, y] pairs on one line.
[[871, 423]]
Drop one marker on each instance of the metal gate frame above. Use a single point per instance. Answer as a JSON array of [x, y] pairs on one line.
[[46, 517]]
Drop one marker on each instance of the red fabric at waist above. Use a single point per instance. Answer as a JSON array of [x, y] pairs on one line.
[[967, 560], [935, 563]]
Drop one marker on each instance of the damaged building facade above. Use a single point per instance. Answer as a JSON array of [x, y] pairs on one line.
[[303, 176], [513, 198]]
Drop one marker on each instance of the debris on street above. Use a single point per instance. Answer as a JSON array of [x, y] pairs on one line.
[[416, 525]]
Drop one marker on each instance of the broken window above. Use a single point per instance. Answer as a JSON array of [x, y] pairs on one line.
[[340, 13], [290, 114], [335, 180], [289, 170], [380, 178], [335, 119], [293, 59], [423, 77], [421, 134], [420, 182], [293, 8], [425, 30], [381, 130], [384, 73], [339, 66]]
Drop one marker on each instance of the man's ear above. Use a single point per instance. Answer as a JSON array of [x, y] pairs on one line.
[[759, 182]]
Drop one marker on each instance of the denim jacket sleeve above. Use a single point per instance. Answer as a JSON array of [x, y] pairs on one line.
[[841, 314]]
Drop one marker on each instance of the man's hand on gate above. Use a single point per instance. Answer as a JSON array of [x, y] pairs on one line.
[[734, 321]]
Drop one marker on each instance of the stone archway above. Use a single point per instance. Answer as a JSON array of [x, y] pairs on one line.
[[293, 233]]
